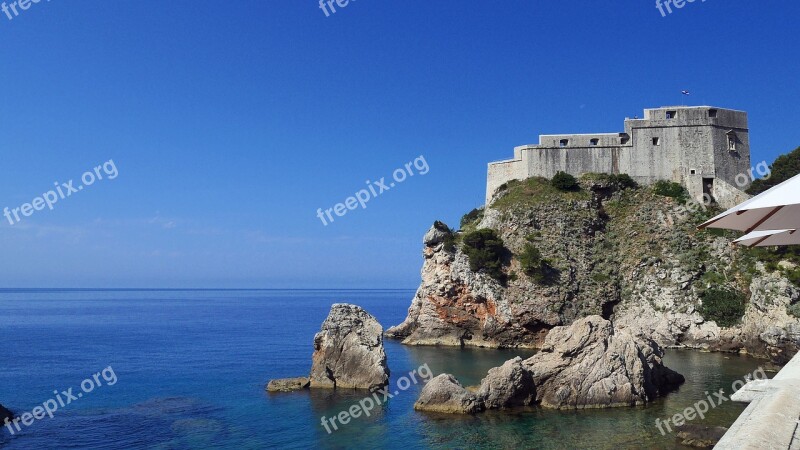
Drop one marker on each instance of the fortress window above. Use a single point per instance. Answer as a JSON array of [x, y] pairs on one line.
[[656, 141], [672, 114], [732, 143], [712, 113], [594, 142], [693, 172], [563, 143]]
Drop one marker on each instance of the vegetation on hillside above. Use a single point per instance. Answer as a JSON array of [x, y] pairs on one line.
[[785, 167], [565, 182], [534, 191], [533, 264], [794, 310], [486, 253], [671, 189], [616, 181], [724, 306], [472, 217], [450, 237]]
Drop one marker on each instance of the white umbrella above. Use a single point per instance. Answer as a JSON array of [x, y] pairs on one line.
[[775, 209], [769, 238]]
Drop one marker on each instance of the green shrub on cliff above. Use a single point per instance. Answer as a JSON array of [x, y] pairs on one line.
[[533, 264], [565, 182], [450, 237], [486, 253], [671, 189], [771, 257], [471, 217], [785, 167], [723, 306], [618, 182], [794, 310]]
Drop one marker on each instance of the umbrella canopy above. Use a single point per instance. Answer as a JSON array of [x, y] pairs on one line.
[[775, 209], [769, 238]]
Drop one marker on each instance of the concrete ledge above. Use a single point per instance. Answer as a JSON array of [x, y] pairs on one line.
[[772, 420]]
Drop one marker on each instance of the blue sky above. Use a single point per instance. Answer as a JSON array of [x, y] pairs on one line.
[[231, 123]]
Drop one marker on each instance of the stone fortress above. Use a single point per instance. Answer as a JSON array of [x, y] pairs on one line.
[[701, 147]]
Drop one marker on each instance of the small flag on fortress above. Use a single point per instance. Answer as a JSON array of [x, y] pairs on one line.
[[685, 92]]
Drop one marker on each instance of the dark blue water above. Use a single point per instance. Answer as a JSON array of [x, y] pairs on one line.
[[190, 369]]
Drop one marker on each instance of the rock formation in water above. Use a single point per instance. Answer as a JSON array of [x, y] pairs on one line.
[[444, 394], [699, 436], [288, 384], [585, 365], [348, 351], [629, 255], [348, 354], [591, 365], [508, 386]]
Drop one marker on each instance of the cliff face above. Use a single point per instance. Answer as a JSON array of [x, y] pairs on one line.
[[627, 255]]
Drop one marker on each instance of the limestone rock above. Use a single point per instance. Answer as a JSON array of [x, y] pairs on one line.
[[436, 234], [699, 436], [288, 384], [348, 351], [590, 365], [508, 386], [444, 394], [628, 258]]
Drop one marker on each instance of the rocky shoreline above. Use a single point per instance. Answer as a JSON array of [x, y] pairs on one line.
[[611, 257], [585, 365]]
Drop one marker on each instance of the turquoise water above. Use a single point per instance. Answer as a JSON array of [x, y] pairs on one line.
[[191, 368]]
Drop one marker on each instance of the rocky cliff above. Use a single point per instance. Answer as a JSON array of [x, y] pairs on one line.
[[628, 254]]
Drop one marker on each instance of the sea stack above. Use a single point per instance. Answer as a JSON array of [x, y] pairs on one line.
[[348, 354], [348, 351]]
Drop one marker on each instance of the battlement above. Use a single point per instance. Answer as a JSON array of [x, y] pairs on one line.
[[691, 145]]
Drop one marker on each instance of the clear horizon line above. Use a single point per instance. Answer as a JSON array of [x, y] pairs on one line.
[[201, 289]]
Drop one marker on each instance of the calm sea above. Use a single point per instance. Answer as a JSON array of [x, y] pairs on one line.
[[191, 368]]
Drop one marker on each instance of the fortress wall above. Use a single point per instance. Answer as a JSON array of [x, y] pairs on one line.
[[726, 195], [502, 172], [546, 162], [649, 162], [692, 145], [730, 164], [693, 151]]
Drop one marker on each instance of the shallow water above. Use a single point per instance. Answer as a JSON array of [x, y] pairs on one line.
[[191, 368]]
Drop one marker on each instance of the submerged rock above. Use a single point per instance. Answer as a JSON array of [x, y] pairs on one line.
[[508, 386], [700, 436], [591, 365], [5, 414], [288, 384], [348, 351], [444, 394]]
